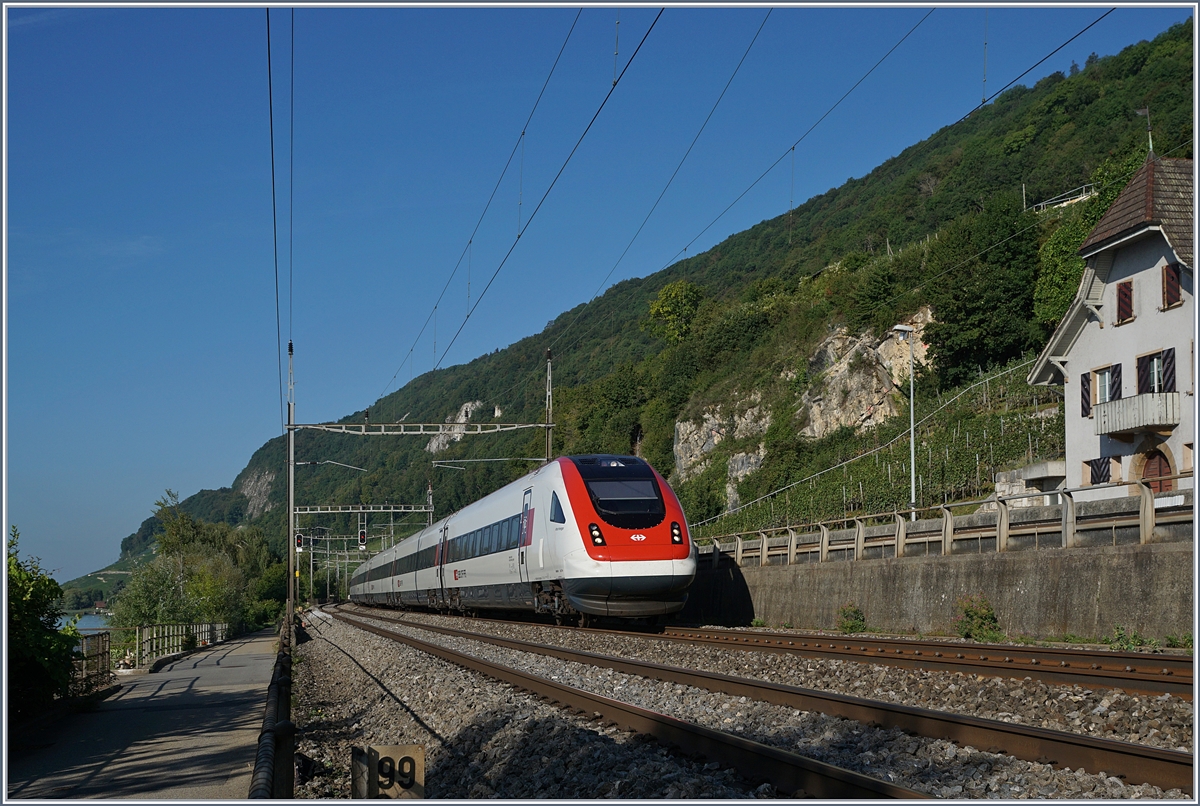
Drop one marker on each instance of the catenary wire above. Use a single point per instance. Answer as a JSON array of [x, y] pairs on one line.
[[274, 225], [291, 167], [674, 173], [772, 166], [487, 206], [553, 182], [944, 130]]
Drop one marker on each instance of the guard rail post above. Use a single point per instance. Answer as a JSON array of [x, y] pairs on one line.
[[1002, 516], [1068, 519], [947, 531], [824, 542], [1146, 513], [860, 538], [901, 534]]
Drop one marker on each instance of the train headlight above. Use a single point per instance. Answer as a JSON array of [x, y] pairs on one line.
[[676, 532], [597, 537]]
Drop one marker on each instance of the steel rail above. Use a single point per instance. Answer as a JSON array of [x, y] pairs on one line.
[[785, 771], [1129, 671], [1167, 769]]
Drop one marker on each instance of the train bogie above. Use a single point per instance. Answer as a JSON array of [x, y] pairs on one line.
[[597, 535]]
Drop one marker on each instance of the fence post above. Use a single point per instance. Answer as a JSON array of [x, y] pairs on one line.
[[901, 534], [1001, 524], [824, 542], [860, 538], [1146, 512], [947, 531], [1068, 520]]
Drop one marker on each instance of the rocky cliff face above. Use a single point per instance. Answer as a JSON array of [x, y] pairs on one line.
[[442, 441], [853, 381], [257, 487]]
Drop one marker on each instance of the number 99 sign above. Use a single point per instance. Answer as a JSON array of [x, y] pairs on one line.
[[397, 771]]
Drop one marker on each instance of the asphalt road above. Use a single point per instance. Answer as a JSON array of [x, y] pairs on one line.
[[186, 732]]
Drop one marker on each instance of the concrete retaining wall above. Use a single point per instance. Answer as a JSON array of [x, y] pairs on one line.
[[1043, 594]]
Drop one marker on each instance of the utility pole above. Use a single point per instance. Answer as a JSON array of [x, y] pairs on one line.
[[549, 408], [293, 571]]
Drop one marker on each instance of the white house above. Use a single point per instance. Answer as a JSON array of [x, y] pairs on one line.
[[1125, 345]]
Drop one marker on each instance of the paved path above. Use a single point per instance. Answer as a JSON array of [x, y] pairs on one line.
[[188, 732]]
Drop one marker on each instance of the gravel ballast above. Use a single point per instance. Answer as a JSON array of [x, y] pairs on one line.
[[486, 739]]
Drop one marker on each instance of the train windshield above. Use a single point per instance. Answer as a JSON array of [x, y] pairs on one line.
[[623, 490]]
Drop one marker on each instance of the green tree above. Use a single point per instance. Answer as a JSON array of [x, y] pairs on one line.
[[982, 273], [672, 311], [39, 654]]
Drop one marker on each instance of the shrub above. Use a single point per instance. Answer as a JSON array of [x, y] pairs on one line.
[[851, 618], [1179, 642], [758, 623], [39, 654], [1124, 640], [977, 620]]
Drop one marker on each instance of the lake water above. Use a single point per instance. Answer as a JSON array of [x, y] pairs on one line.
[[87, 623]]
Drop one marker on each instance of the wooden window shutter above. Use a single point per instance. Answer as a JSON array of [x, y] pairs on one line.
[[1145, 384], [1085, 389], [1100, 470], [1171, 294], [1124, 301], [1114, 382], [1168, 358]]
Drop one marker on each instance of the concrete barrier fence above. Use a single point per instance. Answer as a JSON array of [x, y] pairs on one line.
[[1097, 515]]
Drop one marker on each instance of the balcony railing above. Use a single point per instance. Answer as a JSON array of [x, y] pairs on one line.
[[1137, 413]]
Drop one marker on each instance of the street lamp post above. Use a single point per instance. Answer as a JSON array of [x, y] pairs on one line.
[[905, 332]]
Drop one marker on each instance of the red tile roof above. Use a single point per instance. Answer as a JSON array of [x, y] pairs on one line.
[[1160, 194]]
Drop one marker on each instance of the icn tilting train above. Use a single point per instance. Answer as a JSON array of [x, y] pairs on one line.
[[581, 536]]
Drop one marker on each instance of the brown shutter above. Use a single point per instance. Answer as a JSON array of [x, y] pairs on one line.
[[1114, 382], [1124, 301], [1100, 470], [1168, 357], [1171, 294], [1085, 389], [1145, 382]]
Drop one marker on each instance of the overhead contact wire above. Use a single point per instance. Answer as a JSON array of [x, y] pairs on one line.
[[487, 206], [818, 122], [549, 189], [275, 226], [666, 187]]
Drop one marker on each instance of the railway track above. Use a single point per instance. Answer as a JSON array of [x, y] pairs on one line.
[[1130, 671], [786, 771], [1166, 769]]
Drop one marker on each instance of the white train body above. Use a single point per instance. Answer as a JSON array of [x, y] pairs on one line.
[[598, 535]]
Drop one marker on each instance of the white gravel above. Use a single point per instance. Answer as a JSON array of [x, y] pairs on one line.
[[478, 732]]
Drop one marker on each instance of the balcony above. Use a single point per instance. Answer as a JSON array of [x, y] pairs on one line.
[[1149, 412]]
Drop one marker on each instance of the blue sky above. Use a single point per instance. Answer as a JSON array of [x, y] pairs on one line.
[[140, 300]]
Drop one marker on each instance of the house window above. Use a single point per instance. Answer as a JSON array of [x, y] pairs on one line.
[[1124, 302], [1171, 293], [1105, 385], [1156, 372]]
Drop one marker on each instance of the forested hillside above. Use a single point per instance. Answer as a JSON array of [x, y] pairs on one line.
[[737, 331]]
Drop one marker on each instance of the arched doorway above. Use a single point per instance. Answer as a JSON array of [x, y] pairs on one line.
[[1157, 465]]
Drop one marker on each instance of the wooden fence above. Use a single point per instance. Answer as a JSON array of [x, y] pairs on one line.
[[91, 666], [155, 641]]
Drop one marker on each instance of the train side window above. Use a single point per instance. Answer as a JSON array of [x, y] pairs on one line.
[[489, 537], [514, 535], [556, 510], [501, 539]]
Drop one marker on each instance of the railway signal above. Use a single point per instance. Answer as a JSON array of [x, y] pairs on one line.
[[299, 543], [362, 539]]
